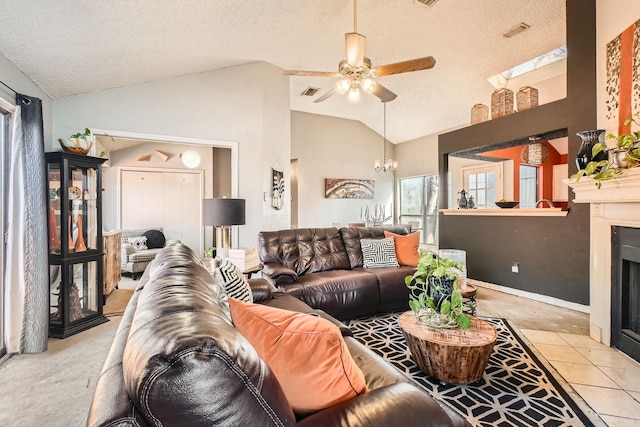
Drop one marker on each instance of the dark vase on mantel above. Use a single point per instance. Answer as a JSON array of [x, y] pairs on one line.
[[589, 139]]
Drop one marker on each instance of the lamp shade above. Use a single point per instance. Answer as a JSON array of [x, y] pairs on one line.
[[221, 212]]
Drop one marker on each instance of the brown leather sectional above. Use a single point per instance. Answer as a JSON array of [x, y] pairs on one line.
[[323, 268], [176, 360]]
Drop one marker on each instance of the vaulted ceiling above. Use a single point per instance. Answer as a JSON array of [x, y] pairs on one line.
[[69, 47]]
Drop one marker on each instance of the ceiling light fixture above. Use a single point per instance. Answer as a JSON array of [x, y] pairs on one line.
[[190, 159], [386, 165]]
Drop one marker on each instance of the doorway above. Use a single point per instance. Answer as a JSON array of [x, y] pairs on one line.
[[171, 199], [226, 185]]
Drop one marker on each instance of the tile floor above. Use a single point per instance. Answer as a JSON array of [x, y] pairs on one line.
[[608, 380]]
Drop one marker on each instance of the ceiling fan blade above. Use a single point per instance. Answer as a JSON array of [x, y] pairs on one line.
[[383, 93], [355, 48], [405, 66], [326, 95], [309, 73]]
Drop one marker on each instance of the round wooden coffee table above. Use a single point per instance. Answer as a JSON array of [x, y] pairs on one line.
[[451, 355]]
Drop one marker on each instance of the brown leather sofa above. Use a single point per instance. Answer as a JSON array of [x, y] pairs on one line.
[[177, 361], [323, 268]]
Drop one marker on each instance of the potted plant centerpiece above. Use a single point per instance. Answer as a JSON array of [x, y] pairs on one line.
[[434, 292], [624, 155]]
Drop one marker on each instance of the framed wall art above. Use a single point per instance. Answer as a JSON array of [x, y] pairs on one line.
[[277, 191], [341, 188], [623, 78]]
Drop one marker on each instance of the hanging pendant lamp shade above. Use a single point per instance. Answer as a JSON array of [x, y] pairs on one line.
[[535, 153]]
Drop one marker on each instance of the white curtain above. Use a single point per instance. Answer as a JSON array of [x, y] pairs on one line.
[[26, 273]]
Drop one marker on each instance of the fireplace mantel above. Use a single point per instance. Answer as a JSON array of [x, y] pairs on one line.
[[615, 203], [623, 188]]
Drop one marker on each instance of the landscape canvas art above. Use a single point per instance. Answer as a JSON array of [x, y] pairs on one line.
[[341, 188]]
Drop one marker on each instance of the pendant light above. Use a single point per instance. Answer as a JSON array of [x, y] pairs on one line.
[[386, 165]]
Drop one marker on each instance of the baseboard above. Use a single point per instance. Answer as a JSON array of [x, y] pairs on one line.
[[533, 296]]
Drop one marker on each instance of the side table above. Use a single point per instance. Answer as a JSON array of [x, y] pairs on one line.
[[451, 355]]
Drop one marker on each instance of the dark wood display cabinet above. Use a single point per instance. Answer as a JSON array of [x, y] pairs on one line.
[[74, 188]]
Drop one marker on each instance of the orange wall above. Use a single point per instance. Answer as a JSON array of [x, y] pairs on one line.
[[545, 171]]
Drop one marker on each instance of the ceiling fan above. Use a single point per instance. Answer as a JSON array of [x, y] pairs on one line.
[[356, 71]]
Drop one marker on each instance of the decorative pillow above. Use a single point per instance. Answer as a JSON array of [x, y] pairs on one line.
[[379, 253], [155, 239], [306, 353], [233, 281], [139, 243], [406, 247]]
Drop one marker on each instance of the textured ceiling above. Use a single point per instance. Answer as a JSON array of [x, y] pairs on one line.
[[69, 47]]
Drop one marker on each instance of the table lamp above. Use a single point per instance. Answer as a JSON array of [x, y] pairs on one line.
[[221, 214]]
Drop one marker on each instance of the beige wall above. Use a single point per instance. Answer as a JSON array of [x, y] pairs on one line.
[[248, 104], [329, 147]]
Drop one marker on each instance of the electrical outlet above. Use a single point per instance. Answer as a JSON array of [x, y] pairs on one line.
[[515, 267]]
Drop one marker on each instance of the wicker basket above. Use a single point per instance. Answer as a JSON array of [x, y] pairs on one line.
[[501, 103], [527, 97], [479, 113]]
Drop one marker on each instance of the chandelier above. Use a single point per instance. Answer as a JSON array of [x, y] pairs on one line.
[[386, 165]]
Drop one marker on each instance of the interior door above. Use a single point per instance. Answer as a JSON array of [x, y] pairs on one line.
[[192, 211], [182, 198], [141, 199], [168, 199]]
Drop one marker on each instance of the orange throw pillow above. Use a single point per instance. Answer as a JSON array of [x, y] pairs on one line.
[[306, 353], [406, 247]]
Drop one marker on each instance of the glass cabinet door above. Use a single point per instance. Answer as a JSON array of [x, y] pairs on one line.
[[80, 298], [73, 211]]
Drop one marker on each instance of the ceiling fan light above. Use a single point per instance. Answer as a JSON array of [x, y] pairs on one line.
[[354, 94], [343, 86], [368, 85]]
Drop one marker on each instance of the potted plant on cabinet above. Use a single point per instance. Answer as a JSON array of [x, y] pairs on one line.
[[78, 143], [434, 292], [624, 155]]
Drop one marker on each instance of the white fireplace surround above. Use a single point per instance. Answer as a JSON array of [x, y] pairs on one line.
[[616, 203]]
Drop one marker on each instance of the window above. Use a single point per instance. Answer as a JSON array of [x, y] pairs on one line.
[[4, 138], [484, 185], [419, 203], [528, 186]]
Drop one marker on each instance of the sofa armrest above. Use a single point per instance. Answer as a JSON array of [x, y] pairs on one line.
[[260, 288], [400, 404], [127, 249], [279, 273]]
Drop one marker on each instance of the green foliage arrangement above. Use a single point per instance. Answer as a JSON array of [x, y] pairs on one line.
[[87, 133], [626, 152], [431, 271]]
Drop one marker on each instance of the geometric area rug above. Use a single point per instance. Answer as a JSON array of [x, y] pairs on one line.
[[515, 390]]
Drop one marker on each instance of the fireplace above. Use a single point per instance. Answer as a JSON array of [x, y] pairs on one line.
[[625, 290], [614, 207]]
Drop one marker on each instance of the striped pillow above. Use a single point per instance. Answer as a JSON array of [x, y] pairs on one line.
[[379, 252], [233, 281]]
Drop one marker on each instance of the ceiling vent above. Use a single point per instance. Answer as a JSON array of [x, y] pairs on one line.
[[310, 91], [517, 29], [426, 2]]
